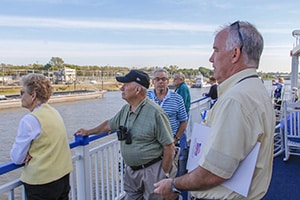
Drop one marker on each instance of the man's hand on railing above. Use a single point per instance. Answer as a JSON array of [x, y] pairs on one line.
[[82, 132]]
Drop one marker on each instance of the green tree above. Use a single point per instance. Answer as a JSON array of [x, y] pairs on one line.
[[56, 62], [205, 72], [47, 66]]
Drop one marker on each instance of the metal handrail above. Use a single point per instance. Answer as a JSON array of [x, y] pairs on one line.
[[79, 140], [81, 179]]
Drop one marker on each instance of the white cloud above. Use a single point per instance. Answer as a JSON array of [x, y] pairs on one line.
[[115, 24], [19, 21]]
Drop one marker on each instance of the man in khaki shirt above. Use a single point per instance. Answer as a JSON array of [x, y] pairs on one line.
[[242, 116]]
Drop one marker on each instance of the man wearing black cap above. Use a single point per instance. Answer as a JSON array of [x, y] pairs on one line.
[[145, 135]]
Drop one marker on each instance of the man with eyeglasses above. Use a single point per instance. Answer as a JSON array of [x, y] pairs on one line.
[[174, 106], [242, 116]]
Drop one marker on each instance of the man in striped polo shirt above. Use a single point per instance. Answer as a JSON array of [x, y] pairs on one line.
[[173, 105]]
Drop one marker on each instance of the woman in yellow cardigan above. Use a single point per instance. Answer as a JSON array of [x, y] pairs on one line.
[[41, 143]]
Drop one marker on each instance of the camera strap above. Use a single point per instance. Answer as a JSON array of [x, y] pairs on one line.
[[128, 113], [252, 76]]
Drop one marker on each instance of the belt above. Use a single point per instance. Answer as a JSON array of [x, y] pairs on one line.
[[146, 165]]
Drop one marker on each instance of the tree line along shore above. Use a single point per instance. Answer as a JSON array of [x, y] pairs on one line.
[[108, 85]]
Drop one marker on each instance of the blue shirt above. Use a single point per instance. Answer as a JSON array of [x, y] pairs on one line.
[[278, 90]]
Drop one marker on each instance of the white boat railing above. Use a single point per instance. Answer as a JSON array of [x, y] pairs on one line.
[[97, 171], [197, 113], [98, 167]]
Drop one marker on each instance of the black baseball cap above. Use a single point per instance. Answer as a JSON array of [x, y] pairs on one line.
[[136, 76]]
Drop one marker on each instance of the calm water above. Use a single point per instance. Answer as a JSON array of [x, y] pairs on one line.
[[86, 114]]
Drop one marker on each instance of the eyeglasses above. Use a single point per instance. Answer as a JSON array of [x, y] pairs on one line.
[[158, 79], [237, 24], [22, 92]]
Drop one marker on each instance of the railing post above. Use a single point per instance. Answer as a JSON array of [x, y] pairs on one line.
[[83, 168]]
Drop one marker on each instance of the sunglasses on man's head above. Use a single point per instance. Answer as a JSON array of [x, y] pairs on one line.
[[22, 92], [237, 24]]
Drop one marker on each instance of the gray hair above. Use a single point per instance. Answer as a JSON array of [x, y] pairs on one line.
[[39, 84], [160, 70], [144, 89], [179, 75], [252, 43]]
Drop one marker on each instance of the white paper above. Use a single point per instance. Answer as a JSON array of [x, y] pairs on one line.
[[199, 135], [241, 180]]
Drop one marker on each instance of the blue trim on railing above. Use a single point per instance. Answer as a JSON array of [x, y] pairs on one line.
[[9, 166], [198, 100], [79, 141]]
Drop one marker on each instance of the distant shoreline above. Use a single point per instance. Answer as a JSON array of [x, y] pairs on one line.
[[76, 95]]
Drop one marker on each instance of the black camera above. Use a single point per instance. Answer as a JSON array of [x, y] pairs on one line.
[[124, 134]]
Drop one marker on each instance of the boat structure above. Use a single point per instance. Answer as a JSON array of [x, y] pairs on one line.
[[98, 168], [199, 82]]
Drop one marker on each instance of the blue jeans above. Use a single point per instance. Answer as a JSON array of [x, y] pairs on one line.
[[183, 156], [182, 161]]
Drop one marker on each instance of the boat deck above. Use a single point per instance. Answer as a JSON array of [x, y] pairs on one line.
[[285, 181]]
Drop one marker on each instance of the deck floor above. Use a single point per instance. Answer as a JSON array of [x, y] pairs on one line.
[[285, 183]]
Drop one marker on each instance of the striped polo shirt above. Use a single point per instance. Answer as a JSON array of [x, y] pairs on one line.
[[173, 105]]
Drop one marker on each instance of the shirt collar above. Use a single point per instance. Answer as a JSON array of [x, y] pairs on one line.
[[234, 79], [138, 108], [168, 95]]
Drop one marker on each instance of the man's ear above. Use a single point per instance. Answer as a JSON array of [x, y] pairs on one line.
[[236, 55], [138, 89]]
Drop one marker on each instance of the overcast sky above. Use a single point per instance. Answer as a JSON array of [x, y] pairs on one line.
[[139, 33]]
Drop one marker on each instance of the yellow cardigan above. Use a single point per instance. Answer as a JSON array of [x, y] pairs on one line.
[[51, 155]]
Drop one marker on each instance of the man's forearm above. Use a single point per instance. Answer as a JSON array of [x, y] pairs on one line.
[[102, 128], [181, 129], [198, 179], [168, 157]]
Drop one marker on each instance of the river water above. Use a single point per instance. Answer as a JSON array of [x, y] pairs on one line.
[[85, 114]]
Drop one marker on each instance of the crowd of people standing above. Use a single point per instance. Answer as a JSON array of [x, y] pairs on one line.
[[153, 123]]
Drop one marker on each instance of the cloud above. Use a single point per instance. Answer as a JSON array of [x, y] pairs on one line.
[[20, 21], [115, 24]]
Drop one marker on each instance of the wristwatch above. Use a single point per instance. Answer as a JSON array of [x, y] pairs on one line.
[[167, 175], [176, 138], [174, 189]]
